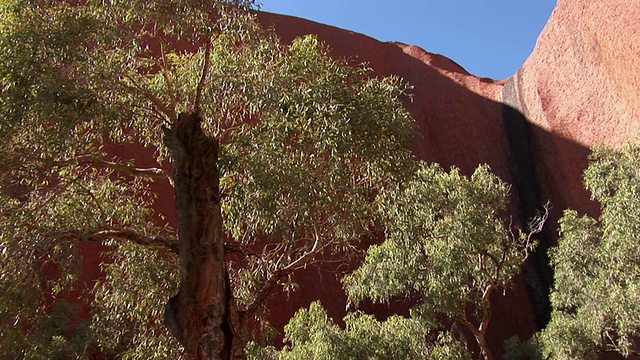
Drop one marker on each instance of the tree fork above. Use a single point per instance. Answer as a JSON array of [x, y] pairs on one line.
[[198, 315]]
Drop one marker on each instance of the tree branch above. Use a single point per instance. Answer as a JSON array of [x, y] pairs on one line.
[[479, 332], [168, 112], [485, 305], [120, 233], [205, 73], [152, 173], [483, 267], [536, 225], [165, 73], [277, 275], [238, 248]]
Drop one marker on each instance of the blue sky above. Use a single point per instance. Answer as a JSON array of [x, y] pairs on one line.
[[489, 38]]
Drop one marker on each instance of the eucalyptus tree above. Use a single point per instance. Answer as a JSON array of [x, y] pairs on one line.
[[276, 156], [448, 247], [312, 334], [447, 251], [596, 294]]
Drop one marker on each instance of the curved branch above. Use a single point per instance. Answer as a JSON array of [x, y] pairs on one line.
[[169, 243], [480, 331], [152, 173], [205, 73], [277, 275], [167, 111]]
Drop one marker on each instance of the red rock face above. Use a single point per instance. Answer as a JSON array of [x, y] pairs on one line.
[[460, 120], [580, 88]]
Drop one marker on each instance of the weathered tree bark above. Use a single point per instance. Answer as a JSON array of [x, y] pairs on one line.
[[480, 332], [198, 315]]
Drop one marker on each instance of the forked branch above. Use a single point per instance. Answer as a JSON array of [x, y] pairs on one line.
[[277, 275], [536, 225]]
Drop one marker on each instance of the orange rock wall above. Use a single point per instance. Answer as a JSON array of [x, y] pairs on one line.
[[580, 88]]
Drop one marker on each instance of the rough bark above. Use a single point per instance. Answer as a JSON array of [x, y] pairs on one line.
[[198, 315]]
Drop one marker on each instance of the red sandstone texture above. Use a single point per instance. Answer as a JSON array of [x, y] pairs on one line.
[[580, 88]]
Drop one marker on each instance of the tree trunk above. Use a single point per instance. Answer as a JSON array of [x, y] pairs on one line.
[[484, 347], [479, 334], [198, 315]]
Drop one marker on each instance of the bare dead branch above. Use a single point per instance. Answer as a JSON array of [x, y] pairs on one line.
[[536, 225]]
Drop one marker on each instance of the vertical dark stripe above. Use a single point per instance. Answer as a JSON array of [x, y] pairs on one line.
[[537, 271]]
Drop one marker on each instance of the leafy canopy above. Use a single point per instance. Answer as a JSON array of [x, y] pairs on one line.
[[307, 142], [445, 241], [447, 249], [596, 295], [313, 335]]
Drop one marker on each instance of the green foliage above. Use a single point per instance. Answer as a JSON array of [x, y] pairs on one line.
[[515, 349], [336, 134], [318, 138], [445, 243], [446, 248], [56, 337], [313, 335], [332, 134], [180, 19], [41, 224], [596, 295], [129, 304], [307, 142]]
